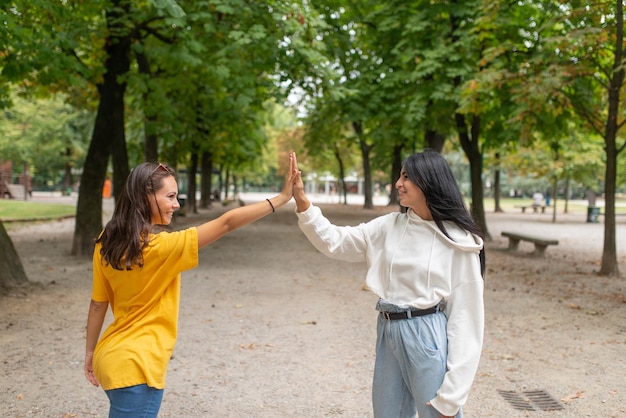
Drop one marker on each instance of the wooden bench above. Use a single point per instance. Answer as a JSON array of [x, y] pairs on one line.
[[540, 243], [16, 191], [535, 208]]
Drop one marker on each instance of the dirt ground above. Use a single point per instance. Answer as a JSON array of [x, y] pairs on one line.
[[271, 328]]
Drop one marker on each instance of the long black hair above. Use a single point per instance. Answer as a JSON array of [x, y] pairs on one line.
[[127, 233], [432, 174]]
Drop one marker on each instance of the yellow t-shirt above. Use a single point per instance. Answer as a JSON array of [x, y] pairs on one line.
[[136, 347]]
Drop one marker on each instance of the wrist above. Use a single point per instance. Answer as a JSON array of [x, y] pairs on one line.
[[302, 204], [281, 200]]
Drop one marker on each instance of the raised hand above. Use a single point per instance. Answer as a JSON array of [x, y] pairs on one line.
[[302, 202], [290, 177]]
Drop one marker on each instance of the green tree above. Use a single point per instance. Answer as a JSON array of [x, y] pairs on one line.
[[47, 134], [593, 88], [351, 82], [571, 64]]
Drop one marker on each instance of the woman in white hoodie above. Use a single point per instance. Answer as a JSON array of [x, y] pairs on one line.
[[426, 266]]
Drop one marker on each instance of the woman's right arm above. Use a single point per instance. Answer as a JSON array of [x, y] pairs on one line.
[[95, 319]]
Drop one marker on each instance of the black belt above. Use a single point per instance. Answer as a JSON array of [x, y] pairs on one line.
[[410, 313]]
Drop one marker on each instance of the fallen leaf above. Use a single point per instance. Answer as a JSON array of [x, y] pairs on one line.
[[570, 398]]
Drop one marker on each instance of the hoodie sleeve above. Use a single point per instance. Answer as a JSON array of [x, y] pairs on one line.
[[465, 311], [346, 243]]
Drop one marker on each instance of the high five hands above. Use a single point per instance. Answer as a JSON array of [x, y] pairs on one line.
[[302, 202]]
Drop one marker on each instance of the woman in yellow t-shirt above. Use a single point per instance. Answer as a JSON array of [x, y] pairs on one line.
[[137, 273]]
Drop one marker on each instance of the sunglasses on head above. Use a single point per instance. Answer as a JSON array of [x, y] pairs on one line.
[[162, 167]]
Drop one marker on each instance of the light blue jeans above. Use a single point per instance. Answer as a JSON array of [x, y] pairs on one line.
[[140, 401], [410, 364]]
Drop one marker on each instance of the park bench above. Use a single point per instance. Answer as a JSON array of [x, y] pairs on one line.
[[15, 191], [540, 243], [535, 208]]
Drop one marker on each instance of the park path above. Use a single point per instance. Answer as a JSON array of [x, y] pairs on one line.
[[271, 328]]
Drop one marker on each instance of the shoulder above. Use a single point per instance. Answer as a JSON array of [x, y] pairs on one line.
[[386, 221], [174, 236]]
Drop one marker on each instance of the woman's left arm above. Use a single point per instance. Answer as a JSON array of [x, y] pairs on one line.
[[95, 319], [465, 330]]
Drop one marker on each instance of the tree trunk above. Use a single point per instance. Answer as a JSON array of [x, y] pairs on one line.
[[120, 154], [434, 140], [11, 269], [206, 179], [396, 169], [151, 144], [610, 266], [566, 202], [67, 176], [192, 185], [226, 183], [235, 187], [555, 183], [470, 143], [367, 174], [108, 131], [342, 173], [496, 186]]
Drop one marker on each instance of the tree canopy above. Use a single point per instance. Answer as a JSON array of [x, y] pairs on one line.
[[194, 83]]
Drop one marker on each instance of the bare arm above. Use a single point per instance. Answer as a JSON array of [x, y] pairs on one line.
[[95, 319], [211, 231]]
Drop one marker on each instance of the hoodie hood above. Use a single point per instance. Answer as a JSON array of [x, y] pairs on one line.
[[461, 239]]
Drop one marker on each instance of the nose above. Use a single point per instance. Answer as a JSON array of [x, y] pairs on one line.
[[398, 183]]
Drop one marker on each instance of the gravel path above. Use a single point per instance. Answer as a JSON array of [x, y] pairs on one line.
[[271, 328]]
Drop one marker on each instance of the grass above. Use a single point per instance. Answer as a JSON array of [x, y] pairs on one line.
[[17, 210]]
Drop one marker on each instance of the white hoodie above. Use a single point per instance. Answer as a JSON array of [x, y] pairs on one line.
[[411, 263]]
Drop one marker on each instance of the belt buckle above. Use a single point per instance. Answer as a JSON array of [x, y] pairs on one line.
[[386, 316]]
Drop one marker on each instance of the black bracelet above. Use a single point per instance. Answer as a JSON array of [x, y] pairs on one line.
[[268, 201]]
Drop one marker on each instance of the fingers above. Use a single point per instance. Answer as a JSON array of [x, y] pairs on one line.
[[296, 171], [294, 177], [91, 377], [293, 166]]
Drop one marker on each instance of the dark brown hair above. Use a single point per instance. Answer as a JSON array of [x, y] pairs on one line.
[[432, 174], [128, 232]]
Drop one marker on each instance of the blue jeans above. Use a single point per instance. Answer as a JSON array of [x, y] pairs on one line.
[[140, 401], [410, 364]]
